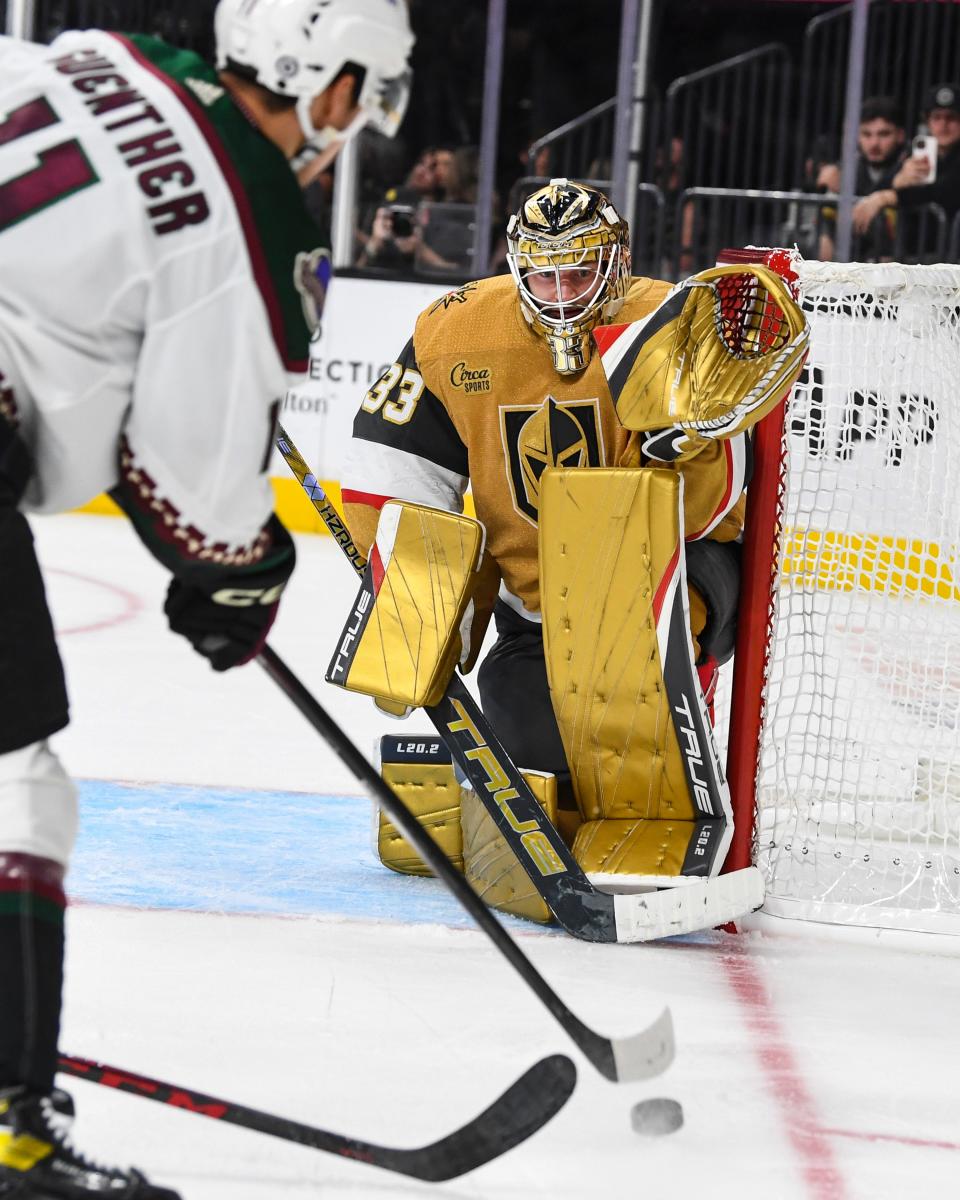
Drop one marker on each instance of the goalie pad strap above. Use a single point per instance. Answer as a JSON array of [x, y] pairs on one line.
[[402, 640]]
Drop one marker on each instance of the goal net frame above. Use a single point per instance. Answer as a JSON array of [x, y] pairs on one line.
[[830, 853]]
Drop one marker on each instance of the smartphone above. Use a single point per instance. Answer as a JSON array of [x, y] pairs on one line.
[[925, 145]]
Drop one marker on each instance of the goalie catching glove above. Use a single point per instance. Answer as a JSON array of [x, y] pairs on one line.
[[227, 616], [719, 353]]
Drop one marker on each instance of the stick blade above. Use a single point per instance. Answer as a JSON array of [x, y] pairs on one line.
[[688, 907], [523, 1109], [645, 1054]]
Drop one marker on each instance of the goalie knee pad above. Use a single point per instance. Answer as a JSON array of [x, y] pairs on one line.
[[38, 804]]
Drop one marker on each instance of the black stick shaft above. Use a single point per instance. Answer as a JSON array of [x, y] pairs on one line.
[[598, 1049], [524, 1108], [552, 870]]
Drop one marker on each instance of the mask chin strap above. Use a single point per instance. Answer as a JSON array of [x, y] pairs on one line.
[[320, 139]]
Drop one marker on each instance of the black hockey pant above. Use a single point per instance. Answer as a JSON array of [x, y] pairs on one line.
[[516, 699], [33, 705]]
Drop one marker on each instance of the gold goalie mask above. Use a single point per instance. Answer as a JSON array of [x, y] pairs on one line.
[[569, 252]]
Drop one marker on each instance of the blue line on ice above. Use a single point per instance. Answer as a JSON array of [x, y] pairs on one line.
[[161, 845]]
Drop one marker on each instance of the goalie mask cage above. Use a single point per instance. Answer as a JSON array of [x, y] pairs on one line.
[[844, 737]]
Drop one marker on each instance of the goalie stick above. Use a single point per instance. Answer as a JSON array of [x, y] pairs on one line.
[[526, 1106], [641, 1056], [581, 909]]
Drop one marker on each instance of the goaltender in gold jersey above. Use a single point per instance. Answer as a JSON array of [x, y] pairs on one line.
[[613, 587]]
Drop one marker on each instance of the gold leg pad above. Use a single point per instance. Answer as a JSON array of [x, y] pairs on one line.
[[491, 867], [633, 852], [431, 792]]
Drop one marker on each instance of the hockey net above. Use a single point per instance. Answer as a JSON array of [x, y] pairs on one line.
[[844, 738]]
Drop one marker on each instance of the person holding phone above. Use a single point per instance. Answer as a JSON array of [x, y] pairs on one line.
[[880, 151], [925, 177]]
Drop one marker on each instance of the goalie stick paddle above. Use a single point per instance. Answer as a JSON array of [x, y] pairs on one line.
[[641, 1056], [526, 1106], [581, 909]]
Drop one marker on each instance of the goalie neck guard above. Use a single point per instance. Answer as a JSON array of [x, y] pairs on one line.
[[297, 48], [569, 252]]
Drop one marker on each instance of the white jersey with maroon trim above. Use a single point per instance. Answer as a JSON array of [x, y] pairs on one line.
[[138, 309]]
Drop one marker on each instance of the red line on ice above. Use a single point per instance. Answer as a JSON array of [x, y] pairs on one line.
[[923, 1143], [798, 1110], [132, 603]]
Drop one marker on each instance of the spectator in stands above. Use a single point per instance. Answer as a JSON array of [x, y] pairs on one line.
[[448, 228], [907, 191], [392, 242], [443, 169], [880, 142], [419, 229], [392, 239], [420, 183]]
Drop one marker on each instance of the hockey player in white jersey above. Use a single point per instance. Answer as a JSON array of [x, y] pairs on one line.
[[157, 270]]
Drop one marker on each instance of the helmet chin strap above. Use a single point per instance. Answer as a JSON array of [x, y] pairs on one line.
[[320, 139]]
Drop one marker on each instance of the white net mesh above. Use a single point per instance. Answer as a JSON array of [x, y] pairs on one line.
[[859, 787]]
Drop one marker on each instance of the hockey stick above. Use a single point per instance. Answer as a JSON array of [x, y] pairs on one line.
[[581, 909], [641, 1056], [526, 1106]]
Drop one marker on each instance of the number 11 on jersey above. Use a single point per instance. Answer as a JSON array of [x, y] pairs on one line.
[[61, 170]]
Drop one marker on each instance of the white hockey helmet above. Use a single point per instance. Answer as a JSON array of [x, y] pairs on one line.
[[297, 48]]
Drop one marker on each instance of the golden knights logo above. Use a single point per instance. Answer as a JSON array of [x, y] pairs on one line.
[[550, 435], [459, 295]]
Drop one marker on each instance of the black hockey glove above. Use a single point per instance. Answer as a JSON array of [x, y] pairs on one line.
[[228, 620]]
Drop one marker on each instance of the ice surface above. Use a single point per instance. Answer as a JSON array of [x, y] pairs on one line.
[[234, 933]]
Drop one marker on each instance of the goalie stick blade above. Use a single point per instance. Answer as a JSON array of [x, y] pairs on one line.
[[689, 907], [525, 1107]]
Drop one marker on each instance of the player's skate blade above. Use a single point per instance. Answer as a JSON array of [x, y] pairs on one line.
[[37, 1161]]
